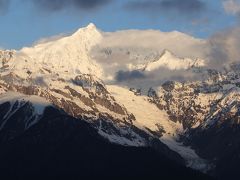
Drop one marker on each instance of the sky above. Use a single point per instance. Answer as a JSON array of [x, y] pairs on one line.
[[23, 22]]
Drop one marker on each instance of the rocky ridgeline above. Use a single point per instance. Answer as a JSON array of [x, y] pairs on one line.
[[192, 103], [86, 97], [210, 114]]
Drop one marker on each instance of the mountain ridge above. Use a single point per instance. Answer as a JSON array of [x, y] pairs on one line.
[[176, 113]]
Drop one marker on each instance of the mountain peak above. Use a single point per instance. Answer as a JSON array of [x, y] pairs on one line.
[[170, 61], [91, 26], [67, 54]]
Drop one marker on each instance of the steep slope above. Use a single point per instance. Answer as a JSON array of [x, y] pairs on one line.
[[63, 72], [209, 113], [80, 95], [187, 121], [60, 146], [18, 113], [89, 100], [217, 138], [157, 122]]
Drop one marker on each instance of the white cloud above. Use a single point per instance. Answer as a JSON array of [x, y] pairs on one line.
[[232, 6], [136, 47], [225, 47]]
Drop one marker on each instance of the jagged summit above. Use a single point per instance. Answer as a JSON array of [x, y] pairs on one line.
[[167, 60], [171, 61]]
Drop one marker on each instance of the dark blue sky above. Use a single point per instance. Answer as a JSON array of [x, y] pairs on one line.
[[22, 22]]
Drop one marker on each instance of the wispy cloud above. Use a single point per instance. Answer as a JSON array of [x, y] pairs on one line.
[[182, 7], [232, 7], [57, 5], [4, 4]]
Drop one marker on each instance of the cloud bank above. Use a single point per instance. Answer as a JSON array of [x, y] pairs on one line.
[[121, 50], [225, 47]]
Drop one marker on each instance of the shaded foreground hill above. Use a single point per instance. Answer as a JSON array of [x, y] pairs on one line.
[[62, 147]]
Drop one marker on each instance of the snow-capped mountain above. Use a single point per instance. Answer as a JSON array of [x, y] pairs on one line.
[[172, 118], [79, 93], [68, 56]]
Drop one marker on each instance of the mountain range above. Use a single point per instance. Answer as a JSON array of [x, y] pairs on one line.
[[92, 104]]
